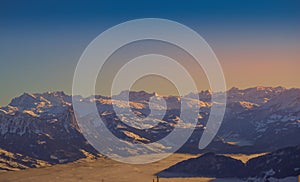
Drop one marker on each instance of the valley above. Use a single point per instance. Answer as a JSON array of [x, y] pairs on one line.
[[104, 169]]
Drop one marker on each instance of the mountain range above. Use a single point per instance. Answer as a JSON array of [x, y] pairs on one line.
[[40, 129]]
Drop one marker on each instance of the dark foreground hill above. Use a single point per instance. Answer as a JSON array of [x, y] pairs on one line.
[[279, 164]]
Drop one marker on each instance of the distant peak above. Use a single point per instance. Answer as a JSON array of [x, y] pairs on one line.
[[258, 88], [141, 92], [209, 91], [25, 94], [24, 100], [155, 94], [267, 88], [233, 89], [55, 93], [25, 97]]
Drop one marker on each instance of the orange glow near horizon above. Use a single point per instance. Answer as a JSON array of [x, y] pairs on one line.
[[271, 66]]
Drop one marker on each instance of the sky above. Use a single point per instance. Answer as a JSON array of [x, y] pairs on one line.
[[257, 42]]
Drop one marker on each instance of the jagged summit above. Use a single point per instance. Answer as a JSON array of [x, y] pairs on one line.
[[289, 99], [48, 98], [25, 100]]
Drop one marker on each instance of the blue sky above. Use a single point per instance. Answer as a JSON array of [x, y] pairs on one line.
[[41, 41]]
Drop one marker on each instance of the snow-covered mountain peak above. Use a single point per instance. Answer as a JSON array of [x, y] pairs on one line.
[[26, 100], [139, 96], [38, 104], [257, 95], [288, 99]]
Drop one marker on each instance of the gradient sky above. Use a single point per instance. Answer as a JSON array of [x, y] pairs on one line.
[[257, 42]]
